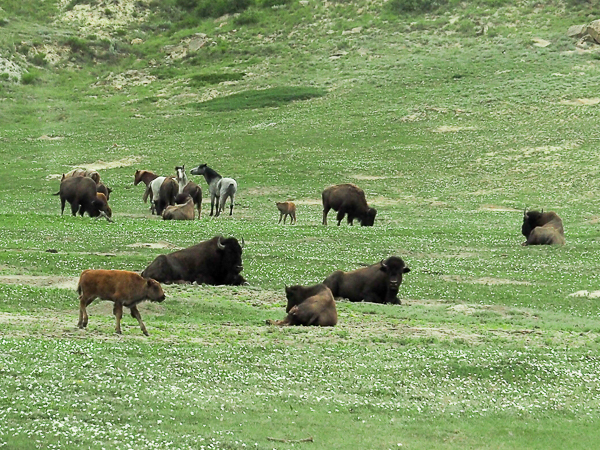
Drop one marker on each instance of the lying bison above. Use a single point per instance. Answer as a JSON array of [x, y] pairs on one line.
[[122, 287], [348, 199], [312, 305], [216, 261], [182, 210], [542, 228], [378, 283], [81, 194]]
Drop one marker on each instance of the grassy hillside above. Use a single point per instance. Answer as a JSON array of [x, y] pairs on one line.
[[452, 116]]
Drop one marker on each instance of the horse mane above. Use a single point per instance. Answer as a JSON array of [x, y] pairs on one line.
[[211, 173]]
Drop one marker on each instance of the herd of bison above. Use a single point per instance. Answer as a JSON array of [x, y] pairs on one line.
[[218, 261]]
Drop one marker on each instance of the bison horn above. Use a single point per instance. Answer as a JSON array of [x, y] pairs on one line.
[[383, 264], [243, 243], [220, 245]]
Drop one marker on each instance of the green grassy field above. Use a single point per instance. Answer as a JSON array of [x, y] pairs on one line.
[[452, 119]]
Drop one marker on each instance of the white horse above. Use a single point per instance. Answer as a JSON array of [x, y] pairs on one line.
[[220, 188], [182, 178]]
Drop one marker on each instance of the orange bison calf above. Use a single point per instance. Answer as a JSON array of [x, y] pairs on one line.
[[308, 305], [122, 287], [286, 209]]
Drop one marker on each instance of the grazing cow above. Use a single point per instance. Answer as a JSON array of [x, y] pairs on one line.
[[180, 211], [194, 191], [81, 193], [286, 209], [220, 188], [310, 305], [216, 261], [542, 228], [348, 199], [103, 189], [122, 287], [166, 194], [378, 283]]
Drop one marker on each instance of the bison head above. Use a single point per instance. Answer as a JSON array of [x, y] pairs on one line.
[[154, 290], [230, 251], [531, 219], [394, 268], [369, 218], [294, 295]]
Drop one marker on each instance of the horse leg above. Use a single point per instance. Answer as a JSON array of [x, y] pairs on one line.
[[231, 206]]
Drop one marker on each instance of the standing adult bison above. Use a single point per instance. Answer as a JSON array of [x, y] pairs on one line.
[[348, 199], [216, 261], [378, 283], [81, 193], [310, 305], [542, 228]]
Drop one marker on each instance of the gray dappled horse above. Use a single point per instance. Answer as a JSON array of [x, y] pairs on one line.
[[220, 188]]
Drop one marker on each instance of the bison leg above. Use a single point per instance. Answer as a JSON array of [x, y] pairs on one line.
[[62, 206], [83, 316], [293, 217], [284, 218], [118, 312], [325, 212], [372, 297], [74, 208], [280, 323], [280, 216], [340, 215], [135, 313]]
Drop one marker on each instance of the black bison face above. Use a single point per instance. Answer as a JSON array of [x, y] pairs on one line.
[[294, 295], [200, 170], [369, 218], [231, 254], [394, 268], [531, 219]]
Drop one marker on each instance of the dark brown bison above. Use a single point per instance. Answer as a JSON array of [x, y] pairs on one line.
[[81, 193], [166, 194], [122, 287], [194, 191], [348, 199], [378, 283], [542, 228], [216, 261], [310, 305], [286, 209]]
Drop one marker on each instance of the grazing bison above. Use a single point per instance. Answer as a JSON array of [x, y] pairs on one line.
[[542, 228], [311, 305], [348, 199], [122, 287], [378, 283], [216, 261], [194, 191], [81, 193], [180, 211], [286, 209], [166, 194]]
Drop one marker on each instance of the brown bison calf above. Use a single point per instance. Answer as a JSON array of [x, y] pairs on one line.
[[286, 209], [542, 228], [348, 199], [122, 287], [311, 305]]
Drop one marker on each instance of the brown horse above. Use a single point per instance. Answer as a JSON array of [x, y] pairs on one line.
[[144, 175]]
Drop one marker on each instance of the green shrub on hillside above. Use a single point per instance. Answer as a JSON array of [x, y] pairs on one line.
[[30, 77]]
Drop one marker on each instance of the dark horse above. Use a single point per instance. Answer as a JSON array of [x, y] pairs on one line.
[[220, 188]]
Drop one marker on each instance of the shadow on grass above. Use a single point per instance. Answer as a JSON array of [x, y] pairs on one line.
[[266, 98]]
